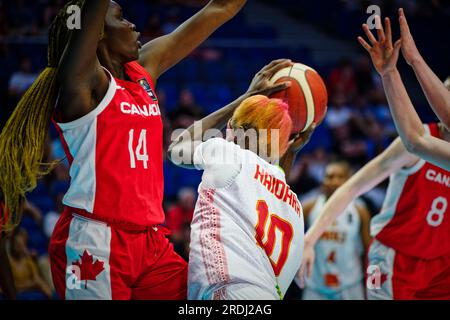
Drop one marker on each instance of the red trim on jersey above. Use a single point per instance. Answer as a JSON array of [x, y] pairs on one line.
[[63, 142], [212, 249], [57, 252]]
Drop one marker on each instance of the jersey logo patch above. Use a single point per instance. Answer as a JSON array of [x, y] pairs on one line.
[[144, 83]]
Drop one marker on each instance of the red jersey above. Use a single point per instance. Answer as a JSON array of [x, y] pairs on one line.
[[415, 217], [115, 153]]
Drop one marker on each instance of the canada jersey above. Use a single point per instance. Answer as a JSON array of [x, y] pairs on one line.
[[115, 153], [247, 230], [338, 263], [414, 219]]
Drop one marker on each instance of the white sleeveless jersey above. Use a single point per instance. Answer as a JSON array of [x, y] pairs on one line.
[[247, 230], [338, 264]]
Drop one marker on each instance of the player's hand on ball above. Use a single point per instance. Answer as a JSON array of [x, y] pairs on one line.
[[409, 48], [306, 266], [261, 82], [301, 139], [383, 53]]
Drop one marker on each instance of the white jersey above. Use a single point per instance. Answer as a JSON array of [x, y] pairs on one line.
[[247, 230], [338, 264]]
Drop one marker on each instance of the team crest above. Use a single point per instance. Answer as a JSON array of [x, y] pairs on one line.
[[144, 83]]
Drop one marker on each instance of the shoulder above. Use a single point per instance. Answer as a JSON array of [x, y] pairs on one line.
[[216, 151]]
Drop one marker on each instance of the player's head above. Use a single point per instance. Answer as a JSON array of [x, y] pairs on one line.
[[119, 39], [266, 120], [336, 173]]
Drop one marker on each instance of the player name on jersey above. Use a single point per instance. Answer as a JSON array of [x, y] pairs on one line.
[[151, 110], [438, 177], [278, 188], [334, 236]]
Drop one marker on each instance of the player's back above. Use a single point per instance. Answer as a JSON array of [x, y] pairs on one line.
[[247, 234]]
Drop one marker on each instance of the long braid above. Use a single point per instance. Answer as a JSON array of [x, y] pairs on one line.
[[23, 137]]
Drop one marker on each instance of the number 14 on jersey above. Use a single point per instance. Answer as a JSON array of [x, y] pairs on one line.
[[140, 153]]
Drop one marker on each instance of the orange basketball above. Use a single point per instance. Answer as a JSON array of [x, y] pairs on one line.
[[307, 97]]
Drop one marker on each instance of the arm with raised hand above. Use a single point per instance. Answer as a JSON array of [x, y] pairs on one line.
[[159, 55], [82, 81], [437, 94], [391, 160], [409, 126]]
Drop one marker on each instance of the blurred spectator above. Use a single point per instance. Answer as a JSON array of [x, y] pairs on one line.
[[186, 112], [364, 75], [342, 79], [181, 212], [21, 80], [29, 282], [338, 113], [178, 220]]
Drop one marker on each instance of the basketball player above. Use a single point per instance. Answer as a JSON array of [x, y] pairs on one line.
[[338, 269], [247, 229], [384, 57], [107, 243], [410, 255]]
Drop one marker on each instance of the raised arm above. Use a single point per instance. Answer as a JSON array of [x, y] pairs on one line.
[[409, 126], [184, 142], [159, 55], [82, 81], [391, 160], [436, 92]]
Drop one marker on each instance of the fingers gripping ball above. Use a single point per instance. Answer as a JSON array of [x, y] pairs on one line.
[[307, 96]]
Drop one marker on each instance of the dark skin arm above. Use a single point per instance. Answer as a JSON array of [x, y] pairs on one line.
[[6, 276], [295, 145], [159, 55], [83, 83]]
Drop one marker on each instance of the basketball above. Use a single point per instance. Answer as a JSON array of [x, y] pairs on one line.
[[307, 96]]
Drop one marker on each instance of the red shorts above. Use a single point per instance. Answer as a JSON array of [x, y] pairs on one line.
[[400, 277], [91, 259]]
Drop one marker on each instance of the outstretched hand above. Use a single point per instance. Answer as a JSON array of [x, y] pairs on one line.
[[383, 53], [409, 48], [261, 82]]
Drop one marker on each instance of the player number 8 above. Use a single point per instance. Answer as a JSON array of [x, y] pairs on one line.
[[436, 214]]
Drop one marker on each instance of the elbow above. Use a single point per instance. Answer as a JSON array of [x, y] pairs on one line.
[[415, 144]]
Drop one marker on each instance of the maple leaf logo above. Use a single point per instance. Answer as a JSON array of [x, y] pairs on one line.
[[383, 278], [89, 269]]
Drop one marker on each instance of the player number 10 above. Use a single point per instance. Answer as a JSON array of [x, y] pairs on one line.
[[140, 154], [267, 240]]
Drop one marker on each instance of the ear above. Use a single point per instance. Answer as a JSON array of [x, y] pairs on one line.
[[229, 126]]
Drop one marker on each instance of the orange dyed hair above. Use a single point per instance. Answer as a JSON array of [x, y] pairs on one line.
[[260, 112]]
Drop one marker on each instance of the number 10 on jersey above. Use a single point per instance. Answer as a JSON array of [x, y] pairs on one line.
[[140, 154], [268, 240]]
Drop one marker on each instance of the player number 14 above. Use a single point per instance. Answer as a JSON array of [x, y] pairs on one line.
[[140, 154]]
